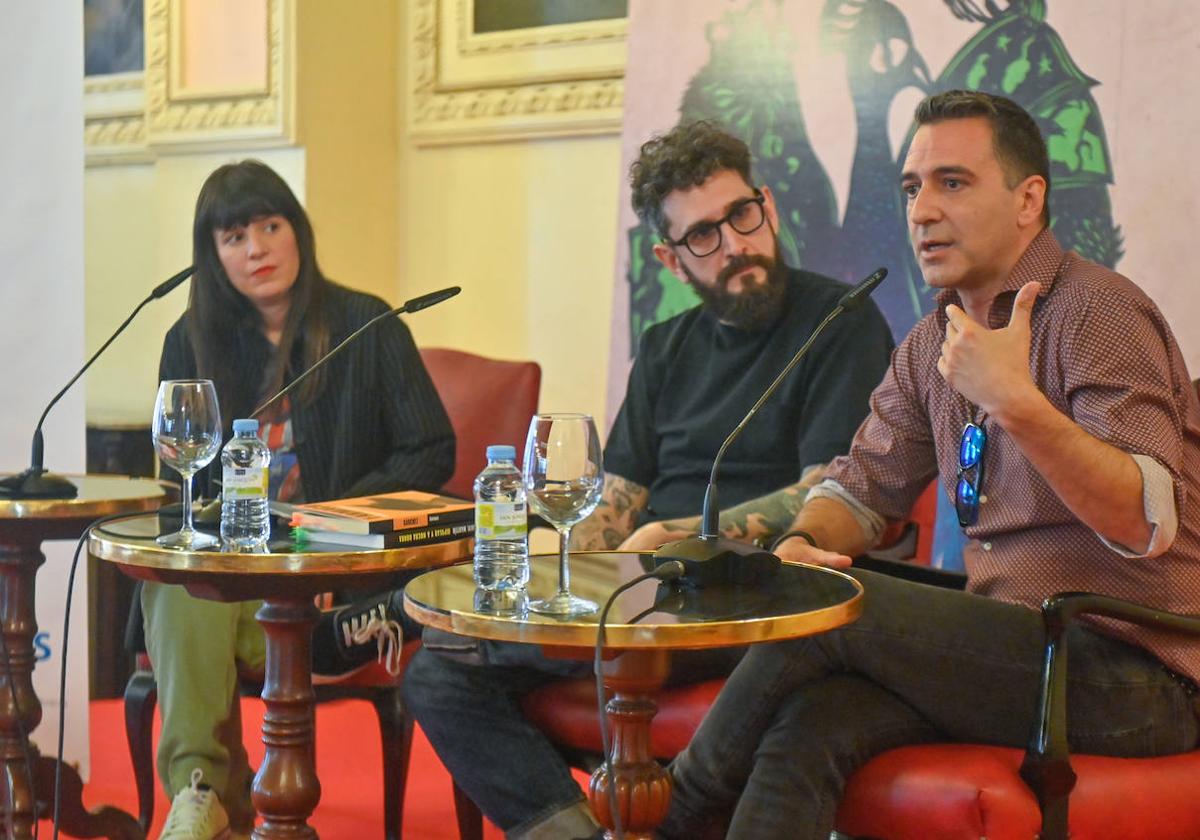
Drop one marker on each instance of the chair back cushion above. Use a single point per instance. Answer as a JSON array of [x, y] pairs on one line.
[[489, 401], [566, 711]]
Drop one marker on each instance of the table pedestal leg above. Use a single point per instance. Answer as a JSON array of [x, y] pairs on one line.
[[286, 789], [28, 777], [20, 710], [643, 786]]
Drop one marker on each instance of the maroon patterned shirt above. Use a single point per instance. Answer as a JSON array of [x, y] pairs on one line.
[[1102, 354]]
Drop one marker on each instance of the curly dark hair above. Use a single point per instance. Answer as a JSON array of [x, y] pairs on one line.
[[1016, 138], [683, 157]]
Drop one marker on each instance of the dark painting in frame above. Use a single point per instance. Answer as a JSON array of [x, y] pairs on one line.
[[507, 15], [113, 39]]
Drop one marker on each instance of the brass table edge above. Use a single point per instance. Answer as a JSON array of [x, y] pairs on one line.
[[632, 636], [139, 553], [18, 509]]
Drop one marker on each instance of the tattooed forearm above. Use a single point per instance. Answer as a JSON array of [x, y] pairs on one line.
[[614, 518], [761, 518], [772, 514], [765, 516]]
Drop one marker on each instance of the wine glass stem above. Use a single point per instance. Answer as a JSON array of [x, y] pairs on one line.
[[564, 570], [187, 502]]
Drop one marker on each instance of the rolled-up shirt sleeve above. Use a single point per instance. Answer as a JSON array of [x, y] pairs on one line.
[[1158, 502], [872, 523]]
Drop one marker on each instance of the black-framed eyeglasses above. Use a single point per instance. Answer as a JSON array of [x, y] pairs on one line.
[[745, 217], [970, 473]]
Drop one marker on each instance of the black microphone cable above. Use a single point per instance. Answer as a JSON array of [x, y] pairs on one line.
[[669, 570], [62, 681]]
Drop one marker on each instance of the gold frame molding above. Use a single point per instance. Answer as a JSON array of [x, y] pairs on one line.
[[178, 91], [547, 81], [137, 117], [114, 119]]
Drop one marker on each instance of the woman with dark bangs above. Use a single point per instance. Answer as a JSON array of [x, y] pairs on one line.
[[370, 421]]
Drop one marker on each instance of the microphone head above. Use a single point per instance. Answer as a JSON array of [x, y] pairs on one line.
[[855, 297], [167, 286], [424, 301]]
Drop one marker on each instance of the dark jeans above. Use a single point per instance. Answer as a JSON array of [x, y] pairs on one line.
[[922, 664], [466, 695]]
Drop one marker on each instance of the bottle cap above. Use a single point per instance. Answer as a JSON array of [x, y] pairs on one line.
[[248, 425], [501, 452]]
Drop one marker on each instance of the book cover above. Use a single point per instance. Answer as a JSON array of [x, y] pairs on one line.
[[392, 539], [384, 512]]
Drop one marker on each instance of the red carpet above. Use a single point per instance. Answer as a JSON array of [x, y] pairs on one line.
[[348, 763]]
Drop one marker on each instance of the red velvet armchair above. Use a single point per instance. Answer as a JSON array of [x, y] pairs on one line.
[[967, 791], [489, 401]]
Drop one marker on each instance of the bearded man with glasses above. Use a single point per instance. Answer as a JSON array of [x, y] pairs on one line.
[[1063, 380], [695, 377]]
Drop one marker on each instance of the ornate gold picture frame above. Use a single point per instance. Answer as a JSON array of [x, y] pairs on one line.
[[557, 80], [138, 116]]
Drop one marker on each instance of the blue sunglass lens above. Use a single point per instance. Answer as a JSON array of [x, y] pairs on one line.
[[966, 502], [970, 448]]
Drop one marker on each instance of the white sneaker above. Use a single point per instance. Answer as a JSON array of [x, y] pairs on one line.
[[196, 814]]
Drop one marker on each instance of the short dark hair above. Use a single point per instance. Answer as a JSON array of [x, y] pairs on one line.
[[684, 157], [1016, 138]]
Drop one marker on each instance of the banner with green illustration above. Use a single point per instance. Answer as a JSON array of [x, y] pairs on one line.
[[823, 93]]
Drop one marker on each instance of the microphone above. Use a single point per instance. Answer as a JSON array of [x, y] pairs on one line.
[[167, 286], [709, 558], [414, 305], [36, 482], [859, 294]]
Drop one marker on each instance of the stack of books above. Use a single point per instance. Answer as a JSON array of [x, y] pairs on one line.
[[385, 520]]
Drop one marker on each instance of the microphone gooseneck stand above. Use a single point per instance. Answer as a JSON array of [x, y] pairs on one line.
[[710, 559], [36, 482]]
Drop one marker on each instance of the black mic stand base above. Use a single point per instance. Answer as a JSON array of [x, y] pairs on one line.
[[37, 484], [717, 561]]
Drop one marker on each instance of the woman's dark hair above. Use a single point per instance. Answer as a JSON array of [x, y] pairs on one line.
[[682, 158], [232, 196]]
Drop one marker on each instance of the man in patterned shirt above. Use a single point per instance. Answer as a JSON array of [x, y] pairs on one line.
[[1050, 399]]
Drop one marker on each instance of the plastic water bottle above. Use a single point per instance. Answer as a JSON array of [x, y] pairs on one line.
[[245, 517], [501, 530]]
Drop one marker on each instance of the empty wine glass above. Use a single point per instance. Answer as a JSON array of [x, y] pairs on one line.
[[187, 435], [563, 479]]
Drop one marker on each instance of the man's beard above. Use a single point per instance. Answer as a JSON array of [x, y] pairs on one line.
[[755, 307]]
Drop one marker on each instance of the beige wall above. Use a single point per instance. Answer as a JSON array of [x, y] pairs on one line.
[[527, 228], [348, 122]]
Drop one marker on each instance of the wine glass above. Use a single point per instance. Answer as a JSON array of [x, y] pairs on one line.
[[187, 435], [563, 479]]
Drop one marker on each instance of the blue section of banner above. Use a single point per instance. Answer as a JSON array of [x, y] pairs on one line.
[[948, 538]]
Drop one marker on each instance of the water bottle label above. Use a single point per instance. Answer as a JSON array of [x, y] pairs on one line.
[[500, 521], [244, 482]]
